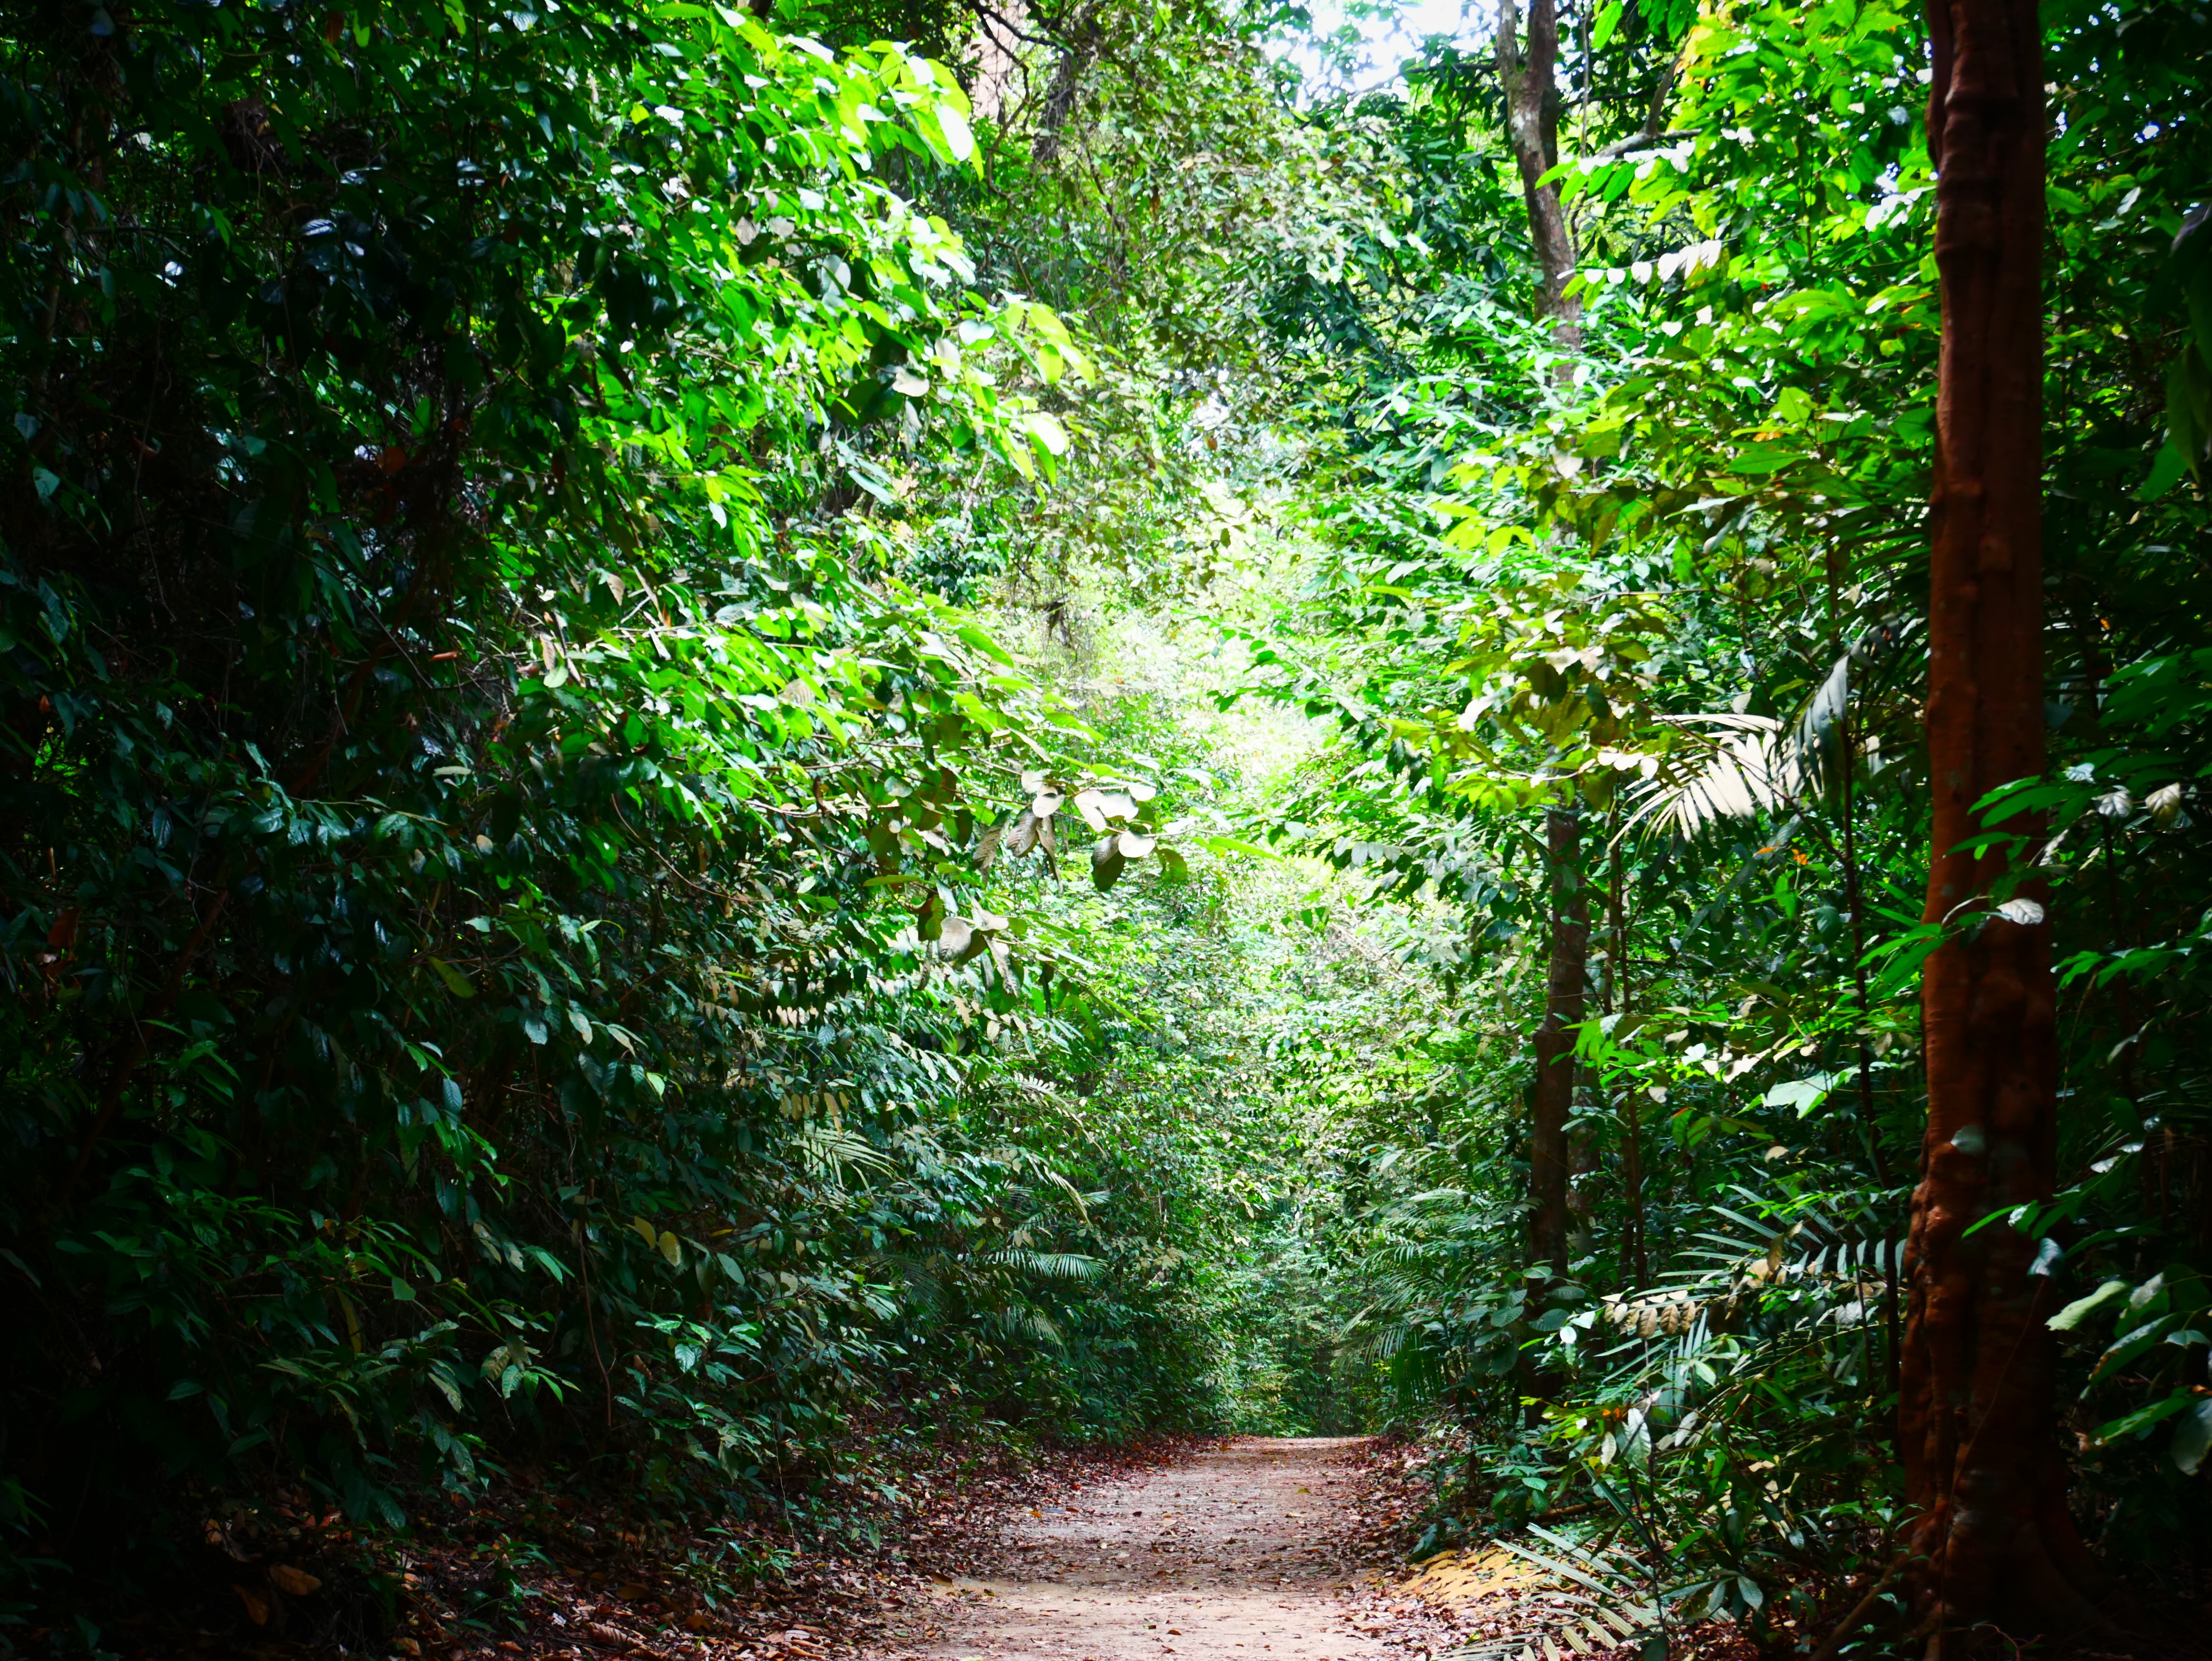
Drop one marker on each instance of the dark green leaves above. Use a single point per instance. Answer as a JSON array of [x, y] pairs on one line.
[[1107, 860], [2189, 378]]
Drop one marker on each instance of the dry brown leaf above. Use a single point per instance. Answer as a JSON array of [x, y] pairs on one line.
[[297, 1583]]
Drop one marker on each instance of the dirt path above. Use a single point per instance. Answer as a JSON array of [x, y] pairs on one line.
[[1238, 1553]]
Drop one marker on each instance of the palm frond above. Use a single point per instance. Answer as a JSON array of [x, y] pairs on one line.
[[1569, 1598], [1046, 1265], [1742, 765], [826, 1148], [1736, 767], [1023, 1322]]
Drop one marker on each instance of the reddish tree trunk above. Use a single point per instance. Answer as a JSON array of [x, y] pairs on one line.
[[1552, 1101], [1995, 1544], [1532, 128]]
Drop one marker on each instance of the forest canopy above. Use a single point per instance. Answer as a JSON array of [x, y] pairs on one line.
[[740, 745]]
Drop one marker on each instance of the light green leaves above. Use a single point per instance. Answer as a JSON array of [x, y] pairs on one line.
[[1803, 1094], [1045, 431], [2067, 1319], [1608, 21], [946, 131], [1036, 444]]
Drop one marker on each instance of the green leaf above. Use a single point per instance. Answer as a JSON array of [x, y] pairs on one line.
[[2142, 1418], [973, 634], [2129, 1345], [455, 983], [440, 1377], [1106, 861], [2189, 404], [2192, 1437], [1803, 1094], [1050, 436], [2083, 1308], [1234, 845], [874, 480], [2167, 470], [946, 131]]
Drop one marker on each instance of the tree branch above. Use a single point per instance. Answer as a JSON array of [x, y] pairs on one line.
[[1642, 140]]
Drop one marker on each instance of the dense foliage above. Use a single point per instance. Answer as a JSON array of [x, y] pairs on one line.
[[490, 970], [1676, 592]]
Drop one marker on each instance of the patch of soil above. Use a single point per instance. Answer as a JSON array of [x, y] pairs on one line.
[[1247, 1550]]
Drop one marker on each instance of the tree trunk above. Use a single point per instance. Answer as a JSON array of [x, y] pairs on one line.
[[1532, 127], [1552, 1101], [1635, 1266], [1994, 1543]]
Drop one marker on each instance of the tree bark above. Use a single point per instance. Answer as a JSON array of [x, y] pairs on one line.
[[1636, 1267], [1532, 128], [1995, 1546], [1552, 1101]]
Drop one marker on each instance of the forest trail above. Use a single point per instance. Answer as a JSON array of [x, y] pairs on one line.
[[1237, 1552]]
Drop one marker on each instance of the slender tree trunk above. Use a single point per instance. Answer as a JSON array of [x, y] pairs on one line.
[[1634, 1264], [1526, 74], [1532, 127], [1552, 1101], [1993, 1539], [1637, 1260]]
